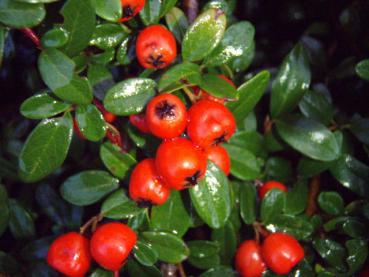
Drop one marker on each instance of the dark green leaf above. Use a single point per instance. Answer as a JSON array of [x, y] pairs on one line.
[[179, 72], [122, 53], [20, 221], [167, 6], [248, 206], [150, 14], [278, 168], [331, 202], [362, 69], [272, 205], [108, 35], [177, 23], [226, 237], [145, 254], [331, 251], [296, 199], [243, 62], [299, 227], [135, 269], [220, 271], [308, 168], [129, 96], [103, 58], [55, 38], [46, 148], [217, 86], [335, 223], [203, 254], [78, 91], [110, 10], [315, 105], [360, 128], [355, 228], [4, 208], [251, 141], [357, 253], [91, 122]]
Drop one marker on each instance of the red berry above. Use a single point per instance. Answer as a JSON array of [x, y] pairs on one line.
[[70, 255], [208, 96], [249, 262], [219, 156], [270, 185], [210, 123], [111, 244], [166, 116], [156, 47], [146, 185], [130, 8], [281, 252], [180, 163], [139, 121]]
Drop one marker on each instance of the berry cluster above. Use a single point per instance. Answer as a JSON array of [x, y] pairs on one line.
[[110, 246]]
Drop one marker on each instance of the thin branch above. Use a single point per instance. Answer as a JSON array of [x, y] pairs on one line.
[[91, 222], [191, 8], [32, 36], [268, 124], [313, 193], [181, 270]]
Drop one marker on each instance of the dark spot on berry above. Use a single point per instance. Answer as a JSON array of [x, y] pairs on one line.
[[165, 110], [220, 139], [141, 203], [127, 11], [192, 180], [155, 61]]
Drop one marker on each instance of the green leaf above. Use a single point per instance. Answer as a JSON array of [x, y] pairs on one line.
[[249, 95], [56, 68], [42, 106], [177, 23], [220, 271], [315, 105], [362, 69], [135, 269], [248, 206], [145, 254], [203, 254], [355, 228], [331, 202], [238, 38], [226, 237], [296, 199], [166, 6], [319, 144], [292, 81], [108, 35], [357, 253], [101, 273], [217, 86], [169, 248], [360, 128], [103, 58], [243, 62], [272, 205], [129, 96], [118, 163], [331, 251], [177, 220], [78, 91], [244, 165], [251, 141], [46, 148], [55, 38], [308, 168], [179, 72], [88, 187], [122, 53], [20, 15], [212, 197], [150, 14], [3, 35], [91, 122], [20, 221], [299, 227], [352, 174], [110, 10], [79, 21], [4, 208], [277, 168], [119, 206], [203, 35]]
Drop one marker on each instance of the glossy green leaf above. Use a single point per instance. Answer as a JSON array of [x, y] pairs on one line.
[[4, 208], [177, 23], [355, 228], [242, 63], [272, 205], [360, 128], [299, 227], [169, 248], [55, 38], [331, 202], [101, 273], [211, 197], [362, 69], [79, 21], [103, 58], [203, 254], [78, 91], [145, 254], [88, 187], [248, 206], [177, 220], [309, 137], [238, 38], [226, 237], [135, 269], [251, 141], [217, 86], [46, 148], [56, 68], [108, 35], [167, 6], [20, 221], [110, 10], [278, 168], [292, 81], [150, 14], [308, 168], [296, 199], [119, 206], [91, 122], [129, 96], [20, 15], [122, 53], [179, 72], [249, 95], [315, 105], [203, 35], [220, 271], [331, 251], [357, 253]]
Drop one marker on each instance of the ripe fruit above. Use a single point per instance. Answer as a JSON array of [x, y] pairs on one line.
[[249, 262], [208, 96], [156, 47], [281, 252], [166, 116], [270, 185], [130, 8], [70, 255], [210, 123], [146, 185], [139, 121], [180, 163], [108, 116], [219, 156], [111, 244]]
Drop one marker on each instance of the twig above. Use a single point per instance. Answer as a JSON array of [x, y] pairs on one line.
[[181, 270], [268, 124], [189, 94], [313, 193], [32, 36], [260, 230], [91, 222], [192, 9]]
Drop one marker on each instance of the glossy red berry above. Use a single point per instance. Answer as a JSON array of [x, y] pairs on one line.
[[139, 121], [210, 123], [166, 116], [70, 255], [208, 96], [145, 184], [249, 261], [218, 155], [108, 116], [270, 185], [131, 8], [156, 47], [281, 252], [180, 163], [111, 244]]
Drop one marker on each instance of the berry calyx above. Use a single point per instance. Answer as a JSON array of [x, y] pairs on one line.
[[70, 255], [166, 116], [180, 163], [111, 244], [281, 252], [218, 155], [156, 47], [145, 184], [130, 8], [269, 186], [249, 261]]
